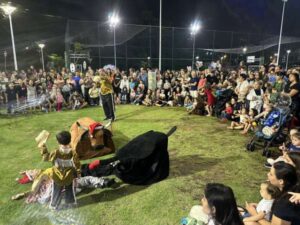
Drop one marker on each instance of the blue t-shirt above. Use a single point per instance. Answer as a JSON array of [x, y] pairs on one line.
[[77, 79], [193, 80], [294, 148]]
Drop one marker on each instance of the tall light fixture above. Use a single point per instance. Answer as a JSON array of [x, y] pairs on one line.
[[5, 55], [42, 46], [114, 21], [9, 10], [287, 59], [160, 19], [195, 27], [281, 27]]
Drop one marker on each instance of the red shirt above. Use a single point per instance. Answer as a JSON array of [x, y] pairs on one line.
[[229, 110]]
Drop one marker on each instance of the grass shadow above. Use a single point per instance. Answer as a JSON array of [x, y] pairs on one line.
[[109, 195], [191, 164]]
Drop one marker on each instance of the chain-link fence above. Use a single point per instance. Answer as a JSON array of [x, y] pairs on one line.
[[137, 45]]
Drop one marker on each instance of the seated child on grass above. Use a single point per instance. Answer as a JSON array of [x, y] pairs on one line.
[[251, 123], [227, 113], [243, 118]]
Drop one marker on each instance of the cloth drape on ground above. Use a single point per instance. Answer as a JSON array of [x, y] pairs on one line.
[[143, 161]]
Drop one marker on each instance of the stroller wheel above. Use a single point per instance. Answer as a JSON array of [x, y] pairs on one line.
[[250, 147]]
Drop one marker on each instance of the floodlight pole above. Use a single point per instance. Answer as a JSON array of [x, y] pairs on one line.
[[43, 63], [115, 48], [160, 19], [281, 28], [194, 42], [5, 55], [13, 42], [287, 59]]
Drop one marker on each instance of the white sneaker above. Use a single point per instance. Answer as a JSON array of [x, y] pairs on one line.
[[271, 161]]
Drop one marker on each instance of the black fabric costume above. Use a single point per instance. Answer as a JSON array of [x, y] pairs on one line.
[[143, 161]]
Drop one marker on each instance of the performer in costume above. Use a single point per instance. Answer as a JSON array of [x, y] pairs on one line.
[[106, 91], [66, 167]]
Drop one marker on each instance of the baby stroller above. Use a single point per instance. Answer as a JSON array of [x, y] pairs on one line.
[[278, 119], [223, 97]]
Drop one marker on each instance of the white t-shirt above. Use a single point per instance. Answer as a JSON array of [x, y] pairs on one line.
[[265, 206]]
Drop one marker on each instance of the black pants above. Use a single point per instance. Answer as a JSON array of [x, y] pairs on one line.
[[108, 106]]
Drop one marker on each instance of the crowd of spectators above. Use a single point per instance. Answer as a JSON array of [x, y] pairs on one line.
[[240, 96]]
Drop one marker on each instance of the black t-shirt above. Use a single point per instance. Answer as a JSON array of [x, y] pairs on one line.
[[287, 211], [22, 91], [11, 94], [117, 80], [296, 97]]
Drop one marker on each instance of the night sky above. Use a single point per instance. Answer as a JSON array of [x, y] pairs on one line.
[[46, 19], [236, 15]]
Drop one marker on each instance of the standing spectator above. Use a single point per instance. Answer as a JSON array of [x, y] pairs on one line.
[[294, 93], [242, 88], [255, 97], [66, 91], [59, 81], [144, 77], [31, 92], [11, 97], [94, 94], [210, 99], [116, 84], [88, 83], [193, 83], [124, 83], [77, 82], [22, 92]]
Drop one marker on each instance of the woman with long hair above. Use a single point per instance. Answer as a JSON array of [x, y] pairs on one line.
[[283, 176], [219, 204]]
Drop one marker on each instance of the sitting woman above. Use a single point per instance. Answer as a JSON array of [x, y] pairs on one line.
[[138, 96], [219, 206], [148, 101], [284, 212], [161, 101]]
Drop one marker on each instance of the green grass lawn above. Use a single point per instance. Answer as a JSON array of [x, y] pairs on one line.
[[202, 150]]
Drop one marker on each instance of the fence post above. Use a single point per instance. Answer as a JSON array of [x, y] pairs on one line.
[[214, 37], [126, 33], [231, 42], [99, 45]]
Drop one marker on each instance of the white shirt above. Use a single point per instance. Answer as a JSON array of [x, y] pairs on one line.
[[265, 206]]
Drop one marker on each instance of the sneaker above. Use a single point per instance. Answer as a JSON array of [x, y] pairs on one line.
[[270, 161], [267, 165], [108, 182], [105, 119]]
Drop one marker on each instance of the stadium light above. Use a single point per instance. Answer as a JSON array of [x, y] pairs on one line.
[[114, 21], [9, 10], [287, 59], [281, 28], [42, 46], [245, 50], [194, 28], [5, 55]]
